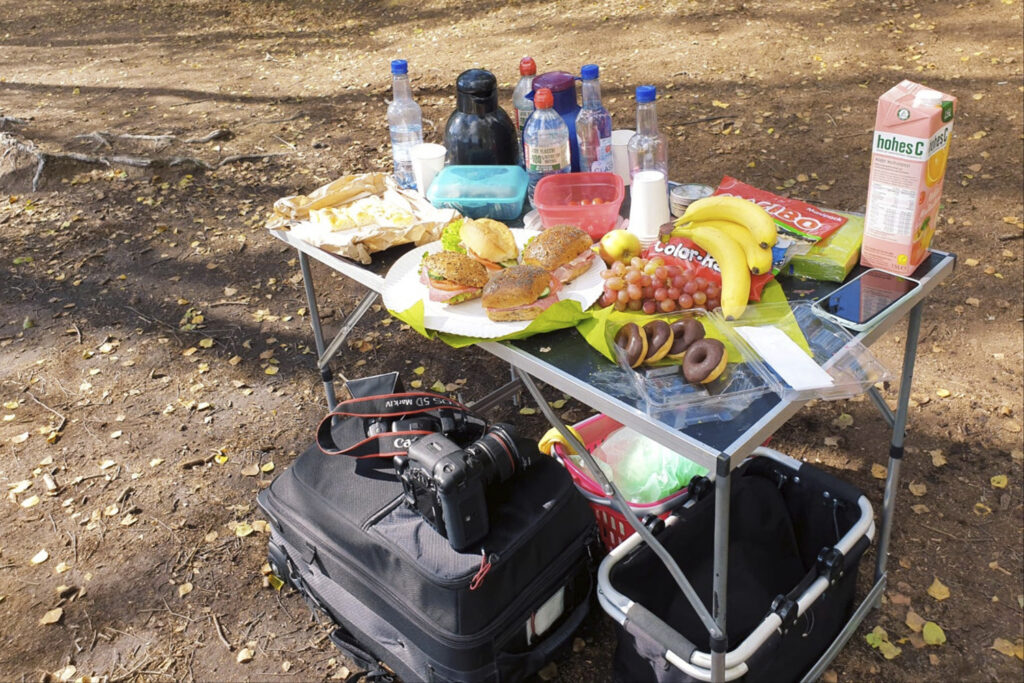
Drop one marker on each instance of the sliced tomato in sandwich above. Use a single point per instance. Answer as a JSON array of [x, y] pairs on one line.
[[487, 263], [446, 291]]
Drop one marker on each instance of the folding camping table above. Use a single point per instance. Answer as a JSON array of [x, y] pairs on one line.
[[563, 359]]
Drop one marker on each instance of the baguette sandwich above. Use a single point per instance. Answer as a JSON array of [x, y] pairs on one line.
[[490, 242]]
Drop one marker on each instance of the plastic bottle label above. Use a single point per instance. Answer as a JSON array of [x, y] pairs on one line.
[[547, 158], [603, 162], [521, 116]]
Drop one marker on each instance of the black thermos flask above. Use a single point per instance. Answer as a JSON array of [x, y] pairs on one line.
[[479, 132]]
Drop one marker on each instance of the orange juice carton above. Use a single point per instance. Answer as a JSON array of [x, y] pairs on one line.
[[913, 128]]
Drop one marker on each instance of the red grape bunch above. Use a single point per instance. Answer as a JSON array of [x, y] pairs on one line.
[[653, 287]]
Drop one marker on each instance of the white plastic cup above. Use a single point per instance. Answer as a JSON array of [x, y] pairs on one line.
[[427, 161], [648, 208], [620, 156]]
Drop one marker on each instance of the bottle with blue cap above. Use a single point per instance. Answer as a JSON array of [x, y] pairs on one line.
[[647, 149], [593, 125], [405, 120]]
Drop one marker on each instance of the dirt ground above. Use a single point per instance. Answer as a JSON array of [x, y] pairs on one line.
[[155, 362]]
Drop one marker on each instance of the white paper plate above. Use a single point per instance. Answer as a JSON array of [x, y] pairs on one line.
[[402, 289]]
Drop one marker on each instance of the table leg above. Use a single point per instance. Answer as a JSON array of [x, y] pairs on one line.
[[318, 333], [620, 504], [719, 586], [892, 479]]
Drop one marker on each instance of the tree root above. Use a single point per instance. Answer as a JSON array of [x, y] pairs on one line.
[[4, 120], [43, 158], [102, 138]]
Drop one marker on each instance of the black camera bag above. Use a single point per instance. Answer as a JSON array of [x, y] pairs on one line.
[[342, 535]]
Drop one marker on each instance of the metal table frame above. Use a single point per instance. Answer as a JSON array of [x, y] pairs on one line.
[[720, 459]]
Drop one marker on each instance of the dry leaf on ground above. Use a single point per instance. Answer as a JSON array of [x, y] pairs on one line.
[[54, 616], [933, 633], [938, 590], [915, 621]]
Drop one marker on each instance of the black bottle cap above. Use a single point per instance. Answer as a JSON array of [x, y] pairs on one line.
[[479, 83]]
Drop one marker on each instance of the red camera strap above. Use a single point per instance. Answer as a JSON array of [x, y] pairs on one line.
[[385, 444]]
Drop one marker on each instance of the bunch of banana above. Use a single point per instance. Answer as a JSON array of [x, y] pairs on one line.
[[739, 234]]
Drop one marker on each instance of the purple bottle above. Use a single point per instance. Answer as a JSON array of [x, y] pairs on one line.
[[563, 89]]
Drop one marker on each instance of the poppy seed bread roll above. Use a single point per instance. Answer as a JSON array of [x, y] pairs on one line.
[[518, 293], [563, 250]]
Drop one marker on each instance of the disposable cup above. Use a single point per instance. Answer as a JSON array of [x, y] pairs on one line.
[[620, 157], [648, 208], [427, 161]]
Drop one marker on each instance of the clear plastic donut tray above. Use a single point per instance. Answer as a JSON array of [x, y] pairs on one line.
[[670, 398], [801, 355]]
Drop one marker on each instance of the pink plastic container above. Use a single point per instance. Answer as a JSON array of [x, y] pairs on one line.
[[568, 199]]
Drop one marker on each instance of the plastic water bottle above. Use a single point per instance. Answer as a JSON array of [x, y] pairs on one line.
[[405, 121], [593, 125], [648, 149], [523, 106], [545, 141]]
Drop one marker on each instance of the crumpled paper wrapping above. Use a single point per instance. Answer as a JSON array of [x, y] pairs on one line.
[[292, 213]]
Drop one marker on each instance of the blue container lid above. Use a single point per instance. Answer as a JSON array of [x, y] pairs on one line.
[[589, 72], [645, 93], [399, 67], [478, 184]]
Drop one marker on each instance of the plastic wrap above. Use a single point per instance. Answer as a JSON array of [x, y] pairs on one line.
[[642, 469], [832, 259]]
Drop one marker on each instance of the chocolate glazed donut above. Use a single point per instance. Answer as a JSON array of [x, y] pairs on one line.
[[685, 333], [704, 361], [632, 339], [659, 340]]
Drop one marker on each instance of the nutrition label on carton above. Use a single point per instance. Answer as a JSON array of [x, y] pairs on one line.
[[892, 198]]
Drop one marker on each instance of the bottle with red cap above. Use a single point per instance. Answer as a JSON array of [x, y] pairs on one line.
[[522, 105], [545, 141]]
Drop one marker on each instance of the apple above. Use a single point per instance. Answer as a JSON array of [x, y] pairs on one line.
[[619, 245]]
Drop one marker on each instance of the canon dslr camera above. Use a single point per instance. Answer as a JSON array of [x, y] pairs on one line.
[[448, 484]]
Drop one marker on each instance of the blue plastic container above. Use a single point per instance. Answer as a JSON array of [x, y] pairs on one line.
[[480, 191]]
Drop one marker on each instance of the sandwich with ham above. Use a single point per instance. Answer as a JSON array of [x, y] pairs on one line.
[[452, 277], [490, 242], [519, 293], [562, 250]]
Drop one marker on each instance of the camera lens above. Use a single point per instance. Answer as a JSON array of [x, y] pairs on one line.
[[500, 453]]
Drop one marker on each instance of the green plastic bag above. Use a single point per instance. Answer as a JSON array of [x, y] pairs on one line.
[[643, 470]]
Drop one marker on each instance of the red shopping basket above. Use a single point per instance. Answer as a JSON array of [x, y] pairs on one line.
[[613, 526]]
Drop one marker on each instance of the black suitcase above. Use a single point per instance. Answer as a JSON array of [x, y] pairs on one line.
[[342, 535]]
